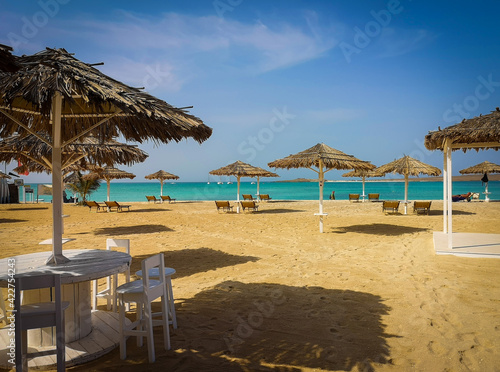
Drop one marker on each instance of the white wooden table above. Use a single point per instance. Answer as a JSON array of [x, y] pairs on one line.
[[76, 275]]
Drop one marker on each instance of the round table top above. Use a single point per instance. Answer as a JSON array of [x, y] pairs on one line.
[[83, 265]]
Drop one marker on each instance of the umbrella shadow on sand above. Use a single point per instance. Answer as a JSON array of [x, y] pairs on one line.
[[188, 262], [151, 210], [294, 327], [11, 220], [378, 229], [127, 230], [280, 210]]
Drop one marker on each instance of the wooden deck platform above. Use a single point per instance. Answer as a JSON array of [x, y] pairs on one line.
[[103, 338], [468, 244]]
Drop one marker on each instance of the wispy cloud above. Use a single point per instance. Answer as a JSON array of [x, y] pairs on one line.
[[395, 42]]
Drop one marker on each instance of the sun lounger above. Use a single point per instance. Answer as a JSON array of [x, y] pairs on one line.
[[152, 198], [167, 197], [422, 207], [354, 197], [119, 207], [373, 197], [247, 197], [93, 204], [264, 197], [247, 204], [224, 205], [390, 206]]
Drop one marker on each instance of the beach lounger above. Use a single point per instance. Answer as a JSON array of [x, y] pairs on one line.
[[390, 206], [421, 206], [373, 197], [247, 197], [354, 197], [152, 198], [93, 204], [224, 205], [264, 197], [247, 204], [119, 207], [167, 197]]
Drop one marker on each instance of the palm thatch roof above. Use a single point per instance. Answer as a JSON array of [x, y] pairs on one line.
[[8, 62], [408, 166], [363, 173], [484, 167], [331, 158], [109, 173], [88, 97], [240, 169], [481, 132], [161, 175], [36, 155]]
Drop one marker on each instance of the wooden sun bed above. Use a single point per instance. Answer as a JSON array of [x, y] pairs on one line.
[[249, 204], [390, 206], [92, 204], [224, 205], [114, 204], [264, 197], [152, 198], [373, 197], [167, 198], [354, 197], [422, 207]]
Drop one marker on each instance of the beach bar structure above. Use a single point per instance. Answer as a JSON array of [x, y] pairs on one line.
[[479, 133]]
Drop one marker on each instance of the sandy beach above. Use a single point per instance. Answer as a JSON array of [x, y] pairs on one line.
[[266, 291]]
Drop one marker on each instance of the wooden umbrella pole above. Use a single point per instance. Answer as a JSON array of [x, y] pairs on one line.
[[108, 181], [238, 197], [161, 188], [57, 195]]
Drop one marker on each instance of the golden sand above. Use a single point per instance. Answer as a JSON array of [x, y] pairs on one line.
[[258, 291]]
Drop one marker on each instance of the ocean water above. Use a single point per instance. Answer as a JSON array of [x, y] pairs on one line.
[[388, 190]]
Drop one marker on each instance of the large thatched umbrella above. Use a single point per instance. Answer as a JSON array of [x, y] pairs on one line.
[[162, 176], [408, 166], [363, 174], [108, 174], [324, 158], [240, 169], [56, 93], [485, 168], [265, 173], [479, 133]]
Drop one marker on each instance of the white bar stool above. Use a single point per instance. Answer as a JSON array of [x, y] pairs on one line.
[[153, 273]]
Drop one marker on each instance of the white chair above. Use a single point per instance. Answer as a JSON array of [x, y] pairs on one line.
[[109, 293], [153, 273], [39, 315], [143, 293]]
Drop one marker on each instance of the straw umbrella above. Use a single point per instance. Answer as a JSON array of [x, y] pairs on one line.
[[408, 166], [239, 169], [265, 173], [483, 168], [108, 174], [324, 158], [55, 92], [479, 133], [363, 174], [162, 176]]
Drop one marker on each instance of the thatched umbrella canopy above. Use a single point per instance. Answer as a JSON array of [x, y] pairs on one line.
[[8, 62], [108, 174], [485, 168], [36, 155], [265, 173], [324, 158], [56, 93], [162, 176], [240, 169], [479, 133], [363, 174], [408, 166]]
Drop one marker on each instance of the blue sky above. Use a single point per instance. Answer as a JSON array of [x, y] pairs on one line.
[[272, 78]]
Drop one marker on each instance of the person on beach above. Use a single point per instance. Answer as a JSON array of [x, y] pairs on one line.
[[460, 197], [332, 195]]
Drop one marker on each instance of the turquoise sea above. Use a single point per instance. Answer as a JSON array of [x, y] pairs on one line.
[[388, 190]]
